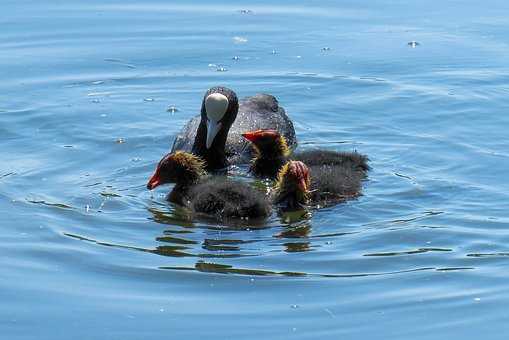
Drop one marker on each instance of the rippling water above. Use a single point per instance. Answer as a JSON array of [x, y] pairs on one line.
[[93, 93]]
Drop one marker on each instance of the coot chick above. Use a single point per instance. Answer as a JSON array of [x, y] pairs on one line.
[[292, 186], [299, 186], [216, 198], [335, 176], [270, 152], [261, 111]]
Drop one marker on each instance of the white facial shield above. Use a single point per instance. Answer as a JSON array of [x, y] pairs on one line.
[[216, 105]]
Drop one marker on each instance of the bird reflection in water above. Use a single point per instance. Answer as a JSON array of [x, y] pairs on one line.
[[205, 241], [301, 231]]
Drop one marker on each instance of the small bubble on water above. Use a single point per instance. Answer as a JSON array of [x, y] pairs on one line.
[[120, 141], [161, 310], [251, 280], [221, 69], [239, 40], [236, 58], [172, 109], [413, 44], [104, 115], [148, 99], [477, 299], [294, 306], [273, 52], [294, 329]]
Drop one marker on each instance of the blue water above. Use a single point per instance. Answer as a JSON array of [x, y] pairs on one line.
[[92, 94]]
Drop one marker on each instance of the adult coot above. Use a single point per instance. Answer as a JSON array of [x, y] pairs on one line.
[[222, 123]]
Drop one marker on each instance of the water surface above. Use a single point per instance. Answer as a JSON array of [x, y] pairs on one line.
[[92, 94]]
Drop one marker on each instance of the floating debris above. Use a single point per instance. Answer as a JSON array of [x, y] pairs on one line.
[[273, 52], [120, 141], [324, 49], [93, 94], [172, 109], [109, 194], [413, 44], [239, 40], [235, 58], [50, 204], [221, 69]]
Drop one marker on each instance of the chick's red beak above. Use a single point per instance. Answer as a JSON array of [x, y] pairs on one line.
[[251, 136], [154, 181], [256, 135]]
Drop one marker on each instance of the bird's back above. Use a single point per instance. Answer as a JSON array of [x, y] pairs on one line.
[[261, 111], [225, 199]]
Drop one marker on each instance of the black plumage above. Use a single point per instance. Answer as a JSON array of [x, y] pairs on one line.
[[335, 176], [261, 111], [213, 197], [226, 199]]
